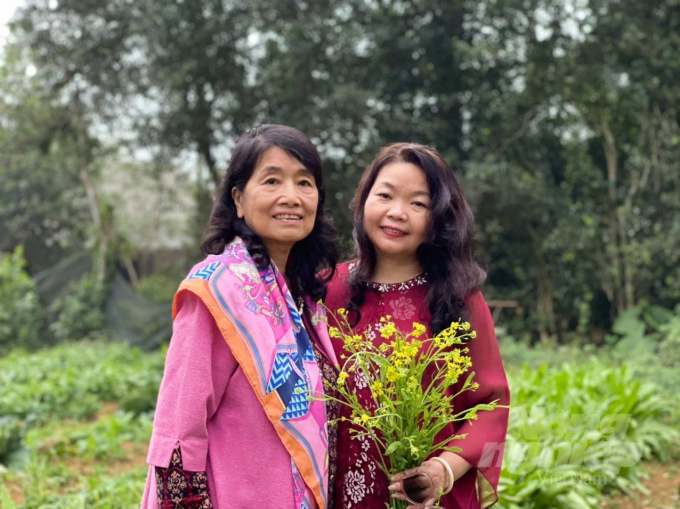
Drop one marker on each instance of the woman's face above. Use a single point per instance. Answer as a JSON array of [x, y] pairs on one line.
[[396, 211], [279, 201]]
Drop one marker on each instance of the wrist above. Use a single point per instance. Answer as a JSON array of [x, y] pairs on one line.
[[448, 474]]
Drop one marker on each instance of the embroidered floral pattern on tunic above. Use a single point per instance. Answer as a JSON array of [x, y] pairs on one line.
[[359, 481], [393, 287], [360, 381], [403, 308], [404, 285], [177, 488], [362, 477], [355, 485]]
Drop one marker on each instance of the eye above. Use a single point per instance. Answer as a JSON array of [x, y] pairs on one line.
[[306, 183], [271, 181], [420, 204], [384, 196]]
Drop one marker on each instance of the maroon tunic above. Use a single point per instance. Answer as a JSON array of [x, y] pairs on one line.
[[359, 482]]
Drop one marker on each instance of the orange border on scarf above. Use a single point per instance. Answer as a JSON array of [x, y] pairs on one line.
[[271, 403]]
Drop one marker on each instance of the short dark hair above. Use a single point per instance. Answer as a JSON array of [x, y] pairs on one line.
[[318, 250], [447, 255]]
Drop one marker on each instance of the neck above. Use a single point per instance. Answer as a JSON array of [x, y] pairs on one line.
[[279, 255], [392, 269]]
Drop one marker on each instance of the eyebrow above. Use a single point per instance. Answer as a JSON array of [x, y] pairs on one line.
[[278, 169], [393, 187]]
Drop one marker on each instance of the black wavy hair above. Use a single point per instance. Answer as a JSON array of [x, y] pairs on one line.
[[447, 255], [317, 251]]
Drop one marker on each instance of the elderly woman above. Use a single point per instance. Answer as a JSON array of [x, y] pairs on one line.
[[234, 426]]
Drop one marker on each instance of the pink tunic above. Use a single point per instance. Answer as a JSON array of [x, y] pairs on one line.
[[207, 406], [359, 483]]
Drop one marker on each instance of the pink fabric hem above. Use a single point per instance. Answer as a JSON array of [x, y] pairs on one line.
[[149, 500], [194, 452]]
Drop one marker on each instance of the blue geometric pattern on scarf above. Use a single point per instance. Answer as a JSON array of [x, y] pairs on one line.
[[309, 355], [268, 277], [281, 371], [286, 381], [297, 320], [205, 272], [299, 404]]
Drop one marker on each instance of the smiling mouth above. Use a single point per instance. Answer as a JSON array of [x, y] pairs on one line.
[[288, 217], [392, 231]]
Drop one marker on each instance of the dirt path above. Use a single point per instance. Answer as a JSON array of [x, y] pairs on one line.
[[663, 485]]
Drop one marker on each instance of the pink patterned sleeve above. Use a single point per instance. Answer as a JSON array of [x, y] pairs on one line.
[[198, 367]]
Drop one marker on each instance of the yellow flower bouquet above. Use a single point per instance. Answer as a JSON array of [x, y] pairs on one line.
[[410, 378]]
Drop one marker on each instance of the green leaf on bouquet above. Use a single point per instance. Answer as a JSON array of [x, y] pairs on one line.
[[392, 447]]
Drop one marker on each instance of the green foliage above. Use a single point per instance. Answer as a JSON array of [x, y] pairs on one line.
[[42, 201], [11, 435], [579, 431], [71, 380], [20, 310], [669, 348], [651, 336], [79, 312], [42, 384], [159, 287], [69, 462], [648, 336], [50, 484], [120, 492], [103, 439], [5, 500]]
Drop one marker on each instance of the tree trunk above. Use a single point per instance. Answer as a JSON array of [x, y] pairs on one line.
[[102, 240], [547, 326], [617, 246], [205, 149]]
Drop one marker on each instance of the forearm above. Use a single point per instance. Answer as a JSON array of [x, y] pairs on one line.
[[457, 463]]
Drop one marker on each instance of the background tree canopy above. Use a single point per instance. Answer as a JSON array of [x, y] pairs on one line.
[[560, 116]]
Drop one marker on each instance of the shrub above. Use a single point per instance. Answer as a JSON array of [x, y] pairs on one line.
[[11, 434], [669, 349], [159, 287], [79, 314], [20, 310]]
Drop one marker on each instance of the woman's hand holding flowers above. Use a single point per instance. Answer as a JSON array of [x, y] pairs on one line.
[[426, 482]]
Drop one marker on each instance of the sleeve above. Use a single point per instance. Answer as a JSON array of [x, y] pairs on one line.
[[484, 444], [198, 367], [178, 487]]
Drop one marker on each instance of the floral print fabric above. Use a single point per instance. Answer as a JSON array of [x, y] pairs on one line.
[[177, 488]]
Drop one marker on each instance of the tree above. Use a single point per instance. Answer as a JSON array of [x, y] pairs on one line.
[[561, 117]]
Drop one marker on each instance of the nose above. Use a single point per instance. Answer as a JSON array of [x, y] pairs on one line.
[[290, 195], [397, 211]]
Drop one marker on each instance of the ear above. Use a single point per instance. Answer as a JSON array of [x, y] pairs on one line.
[[237, 197]]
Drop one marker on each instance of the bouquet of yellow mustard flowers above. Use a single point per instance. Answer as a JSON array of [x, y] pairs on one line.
[[409, 377]]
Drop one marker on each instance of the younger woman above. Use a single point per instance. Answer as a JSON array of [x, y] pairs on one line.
[[413, 230]]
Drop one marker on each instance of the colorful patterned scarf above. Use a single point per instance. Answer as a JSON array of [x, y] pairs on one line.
[[261, 324]]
